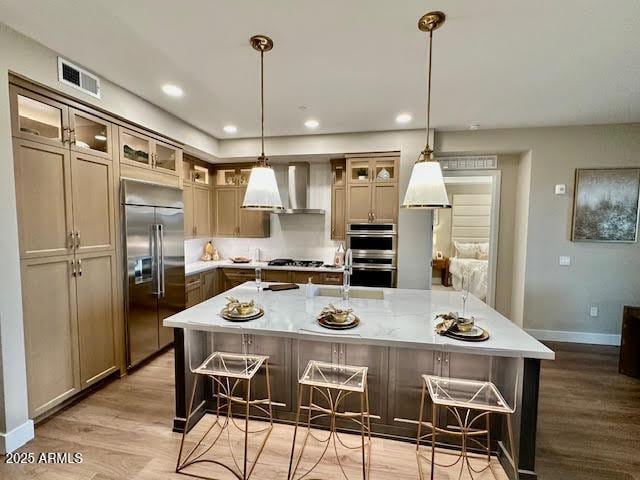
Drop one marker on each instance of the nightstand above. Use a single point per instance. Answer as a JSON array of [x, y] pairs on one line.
[[442, 264]]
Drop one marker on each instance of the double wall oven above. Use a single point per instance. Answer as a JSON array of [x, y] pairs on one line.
[[374, 248]]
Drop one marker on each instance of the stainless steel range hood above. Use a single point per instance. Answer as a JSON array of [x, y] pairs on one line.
[[294, 183]]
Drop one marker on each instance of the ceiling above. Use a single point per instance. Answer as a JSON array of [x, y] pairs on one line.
[[354, 65]]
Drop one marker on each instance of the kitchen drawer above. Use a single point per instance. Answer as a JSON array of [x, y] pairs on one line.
[[276, 276], [332, 279], [303, 277]]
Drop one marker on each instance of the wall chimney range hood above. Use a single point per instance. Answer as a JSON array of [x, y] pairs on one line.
[[294, 183]]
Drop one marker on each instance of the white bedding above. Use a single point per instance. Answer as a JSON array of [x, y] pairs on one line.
[[476, 270]]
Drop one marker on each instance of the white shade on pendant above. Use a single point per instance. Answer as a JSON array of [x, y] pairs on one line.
[[262, 191], [426, 187]]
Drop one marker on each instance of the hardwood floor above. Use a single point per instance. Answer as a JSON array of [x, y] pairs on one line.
[[124, 432], [589, 416], [589, 428]]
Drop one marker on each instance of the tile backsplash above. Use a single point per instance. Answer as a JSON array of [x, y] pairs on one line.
[[298, 236]]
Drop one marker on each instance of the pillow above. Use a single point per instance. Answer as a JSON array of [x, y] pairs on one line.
[[482, 252], [465, 250]]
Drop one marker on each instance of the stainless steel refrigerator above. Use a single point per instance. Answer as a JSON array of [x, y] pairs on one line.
[[153, 233]]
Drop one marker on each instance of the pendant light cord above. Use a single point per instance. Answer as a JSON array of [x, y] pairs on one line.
[[262, 101], [429, 87]]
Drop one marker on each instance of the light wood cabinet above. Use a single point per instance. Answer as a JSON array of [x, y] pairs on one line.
[[338, 200], [65, 201], [43, 198], [210, 284], [97, 304], [155, 160], [198, 210], [193, 290], [93, 203], [66, 209], [50, 331], [233, 221], [226, 208], [372, 189]]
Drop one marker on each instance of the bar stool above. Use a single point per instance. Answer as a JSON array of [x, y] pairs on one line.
[[468, 401], [229, 371], [334, 383]]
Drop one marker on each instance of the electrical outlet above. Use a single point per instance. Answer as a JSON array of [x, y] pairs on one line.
[[593, 311], [561, 189], [564, 260]]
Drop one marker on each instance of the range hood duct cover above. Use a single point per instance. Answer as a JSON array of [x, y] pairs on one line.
[[297, 182]]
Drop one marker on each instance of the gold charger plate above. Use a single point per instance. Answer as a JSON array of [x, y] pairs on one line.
[[469, 338], [327, 323], [224, 313]]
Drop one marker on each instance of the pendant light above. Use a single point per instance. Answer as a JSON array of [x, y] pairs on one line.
[[426, 186], [262, 190]]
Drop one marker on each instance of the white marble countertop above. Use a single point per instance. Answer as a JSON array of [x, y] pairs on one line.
[[201, 266], [404, 318]]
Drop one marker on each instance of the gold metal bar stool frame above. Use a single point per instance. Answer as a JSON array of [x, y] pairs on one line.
[[334, 383], [468, 401], [228, 372]]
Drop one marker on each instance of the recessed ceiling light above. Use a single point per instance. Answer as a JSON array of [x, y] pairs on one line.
[[230, 128], [172, 90], [100, 138], [474, 126], [311, 123], [404, 118]]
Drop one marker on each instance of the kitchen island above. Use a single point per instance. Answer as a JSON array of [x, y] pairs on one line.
[[396, 340]]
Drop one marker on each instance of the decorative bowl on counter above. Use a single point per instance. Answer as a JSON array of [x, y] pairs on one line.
[[240, 259], [337, 319]]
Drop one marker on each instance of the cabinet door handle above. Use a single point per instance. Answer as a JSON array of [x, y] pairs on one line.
[[72, 240], [195, 230], [79, 267], [77, 238], [73, 267], [72, 137], [66, 135]]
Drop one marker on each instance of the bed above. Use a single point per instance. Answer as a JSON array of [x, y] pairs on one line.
[[477, 271]]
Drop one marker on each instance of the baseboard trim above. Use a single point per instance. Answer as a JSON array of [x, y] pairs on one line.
[[576, 337], [17, 437]]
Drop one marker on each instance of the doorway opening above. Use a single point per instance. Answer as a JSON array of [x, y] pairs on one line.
[[465, 237]]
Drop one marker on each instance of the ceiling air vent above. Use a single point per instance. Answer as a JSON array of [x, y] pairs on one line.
[[78, 78]]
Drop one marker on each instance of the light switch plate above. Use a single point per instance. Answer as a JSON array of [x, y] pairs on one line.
[[565, 260], [593, 311], [561, 189]]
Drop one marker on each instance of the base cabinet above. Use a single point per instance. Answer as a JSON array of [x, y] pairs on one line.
[[96, 299], [50, 332]]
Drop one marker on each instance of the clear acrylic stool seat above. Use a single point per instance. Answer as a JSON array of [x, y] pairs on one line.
[[334, 383], [229, 373], [468, 401]]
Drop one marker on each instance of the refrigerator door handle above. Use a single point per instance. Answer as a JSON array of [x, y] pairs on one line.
[[161, 262], [156, 288]]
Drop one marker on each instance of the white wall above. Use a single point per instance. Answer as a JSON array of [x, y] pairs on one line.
[[414, 226], [23, 56]]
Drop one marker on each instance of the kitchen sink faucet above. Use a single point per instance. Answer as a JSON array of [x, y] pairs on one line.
[[348, 271]]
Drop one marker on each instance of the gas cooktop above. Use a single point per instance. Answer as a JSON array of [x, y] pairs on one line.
[[288, 262]]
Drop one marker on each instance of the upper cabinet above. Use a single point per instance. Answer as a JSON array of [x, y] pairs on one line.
[[89, 134], [230, 185], [372, 189], [38, 118], [140, 150], [338, 199]]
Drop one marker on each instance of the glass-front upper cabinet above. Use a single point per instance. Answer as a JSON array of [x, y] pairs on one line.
[[89, 133], [38, 118], [166, 157], [384, 169], [359, 171], [243, 176], [135, 148], [338, 172], [226, 176]]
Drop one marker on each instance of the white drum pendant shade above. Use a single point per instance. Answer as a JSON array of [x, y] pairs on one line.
[[426, 187], [262, 191]]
